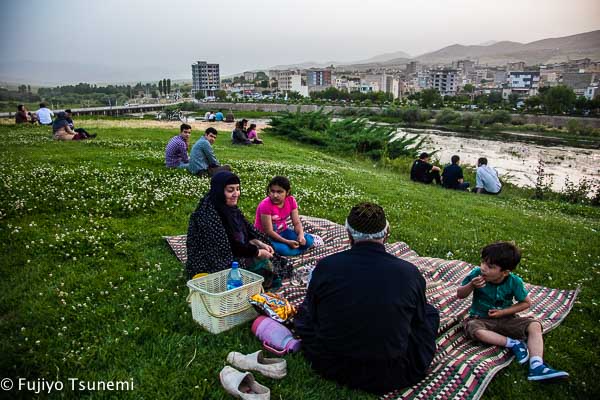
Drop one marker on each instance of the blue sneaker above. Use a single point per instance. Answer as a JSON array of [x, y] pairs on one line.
[[544, 372], [520, 351]]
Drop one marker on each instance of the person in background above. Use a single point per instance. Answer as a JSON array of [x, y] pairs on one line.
[[211, 117], [62, 130], [238, 136], [202, 158], [486, 179], [452, 177], [424, 172], [219, 116], [44, 115], [253, 136], [207, 116], [176, 153], [229, 117], [72, 125], [21, 116]]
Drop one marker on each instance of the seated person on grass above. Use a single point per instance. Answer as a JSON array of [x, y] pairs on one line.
[[22, 116], [424, 172], [219, 234], [62, 130], [492, 317], [78, 130], [238, 136], [202, 158], [365, 321], [452, 177], [271, 216], [253, 136], [486, 178], [176, 153]]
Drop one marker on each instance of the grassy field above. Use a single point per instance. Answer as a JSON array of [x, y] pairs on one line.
[[91, 291]]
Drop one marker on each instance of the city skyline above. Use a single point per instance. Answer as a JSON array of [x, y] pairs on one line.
[[151, 36]]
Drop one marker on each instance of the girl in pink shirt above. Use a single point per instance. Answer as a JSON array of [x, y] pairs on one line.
[[271, 216], [252, 135]]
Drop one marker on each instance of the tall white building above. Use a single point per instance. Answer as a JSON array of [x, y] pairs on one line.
[[205, 78]]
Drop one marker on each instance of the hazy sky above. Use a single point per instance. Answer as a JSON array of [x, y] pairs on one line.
[[250, 34]]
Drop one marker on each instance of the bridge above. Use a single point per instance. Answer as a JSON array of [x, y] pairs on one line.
[[114, 110]]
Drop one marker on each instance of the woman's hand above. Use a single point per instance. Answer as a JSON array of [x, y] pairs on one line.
[[293, 244], [264, 254]]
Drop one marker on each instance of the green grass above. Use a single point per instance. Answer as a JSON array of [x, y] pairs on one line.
[[91, 291]]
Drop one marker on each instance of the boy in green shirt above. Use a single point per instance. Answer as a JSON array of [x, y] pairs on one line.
[[492, 317]]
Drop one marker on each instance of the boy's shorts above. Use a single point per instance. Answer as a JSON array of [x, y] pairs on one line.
[[514, 326]]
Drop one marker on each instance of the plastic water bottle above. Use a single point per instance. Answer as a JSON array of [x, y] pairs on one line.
[[234, 279]]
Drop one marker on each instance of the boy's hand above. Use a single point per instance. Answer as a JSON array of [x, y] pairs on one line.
[[495, 313], [478, 282]]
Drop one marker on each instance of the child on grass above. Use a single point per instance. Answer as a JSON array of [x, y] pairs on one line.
[[492, 317], [271, 216]]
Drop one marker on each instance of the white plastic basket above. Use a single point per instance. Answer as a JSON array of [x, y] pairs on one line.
[[218, 309]]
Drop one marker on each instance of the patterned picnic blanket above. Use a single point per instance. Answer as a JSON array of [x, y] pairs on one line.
[[461, 368]]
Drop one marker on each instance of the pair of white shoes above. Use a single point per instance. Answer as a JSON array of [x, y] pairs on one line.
[[242, 384]]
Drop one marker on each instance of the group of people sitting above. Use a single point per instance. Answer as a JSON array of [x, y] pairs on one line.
[[487, 180], [202, 160], [365, 321], [63, 127], [244, 134], [219, 233], [218, 116]]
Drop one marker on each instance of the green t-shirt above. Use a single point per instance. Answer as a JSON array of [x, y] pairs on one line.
[[495, 296]]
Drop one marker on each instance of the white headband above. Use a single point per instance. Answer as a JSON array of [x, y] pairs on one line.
[[356, 235]]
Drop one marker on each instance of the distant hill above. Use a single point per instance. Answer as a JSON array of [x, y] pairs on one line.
[[539, 52], [494, 53]]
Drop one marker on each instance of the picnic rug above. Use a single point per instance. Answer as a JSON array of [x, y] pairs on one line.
[[461, 368]]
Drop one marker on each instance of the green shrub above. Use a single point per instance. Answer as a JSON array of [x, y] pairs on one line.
[[447, 117], [346, 136]]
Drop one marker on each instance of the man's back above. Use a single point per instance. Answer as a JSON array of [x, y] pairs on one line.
[[365, 307], [452, 173], [487, 178], [419, 170], [201, 156]]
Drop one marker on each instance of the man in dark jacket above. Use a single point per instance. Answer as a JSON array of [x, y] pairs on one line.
[[423, 171], [365, 322], [452, 177]]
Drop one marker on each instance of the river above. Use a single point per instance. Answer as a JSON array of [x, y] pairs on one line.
[[515, 158]]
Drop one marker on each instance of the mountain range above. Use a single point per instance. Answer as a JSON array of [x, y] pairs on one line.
[[492, 53]]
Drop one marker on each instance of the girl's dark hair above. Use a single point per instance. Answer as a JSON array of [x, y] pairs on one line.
[[252, 126], [282, 182], [503, 254]]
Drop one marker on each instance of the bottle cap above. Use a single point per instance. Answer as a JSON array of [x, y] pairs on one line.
[[234, 264]]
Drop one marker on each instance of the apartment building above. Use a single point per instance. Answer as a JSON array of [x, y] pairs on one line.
[[249, 76], [579, 82], [205, 78], [318, 77], [445, 81], [522, 83]]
